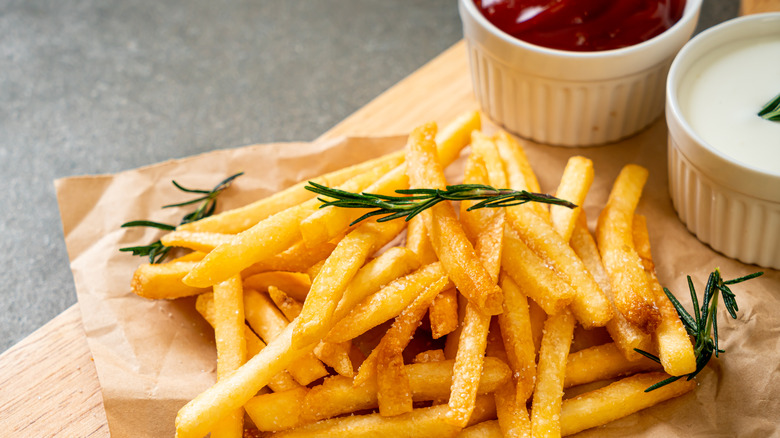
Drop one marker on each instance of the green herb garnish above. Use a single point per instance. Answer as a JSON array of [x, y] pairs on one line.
[[703, 325], [208, 203], [771, 111], [418, 200]]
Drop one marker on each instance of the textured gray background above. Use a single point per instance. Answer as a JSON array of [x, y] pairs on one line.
[[99, 86]]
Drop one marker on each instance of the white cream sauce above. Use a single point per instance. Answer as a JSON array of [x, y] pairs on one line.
[[721, 95]]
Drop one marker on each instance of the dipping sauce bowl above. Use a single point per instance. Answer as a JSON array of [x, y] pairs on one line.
[[570, 98], [724, 160]]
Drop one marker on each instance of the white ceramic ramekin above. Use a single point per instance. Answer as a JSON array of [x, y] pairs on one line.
[[732, 206], [570, 98]]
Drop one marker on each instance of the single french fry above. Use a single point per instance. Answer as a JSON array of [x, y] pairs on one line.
[[164, 281], [265, 239], [231, 346], [394, 394], [575, 183], [535, 277], [277, 410], [417, 241], [512, 415], [335, 356], [294, 284], [328, 287], [278, 383], [486, 226], [633, 296], [389, 302], [518, 342], [449, 241], [603, 362], [520, 174], [443, 313], [626, 335], [242, 218], [671, 340], [424, 422], [266, 320], [546, 405], [297, 258], [590, 305], [198, 241], [618, 400], [324, 224], [388, 266]]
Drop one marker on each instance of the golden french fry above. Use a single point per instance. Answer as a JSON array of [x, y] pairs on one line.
[[535, 277], [614, 236], [520, 174], [198, 241], [518, 342], [326, 223], [388, 266], [277, 410], [486, 226], [618, 400], [590, 305], [231, 346], [242, 218], [328, 287], [297, 258], [424, 422], [512, 414], [389, 302], [164, 281], [417, 241], [268, 322], [449, 241], [394, 394], [265, 239], [626, 335], [575, 183], [603, 362], [551, 370], [672, 342], [443, 313], [280, 382], [294, 284]]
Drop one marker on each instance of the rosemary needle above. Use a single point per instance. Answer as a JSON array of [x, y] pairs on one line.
[[703, 325], [415, 201], [771, 111], [207, 204]]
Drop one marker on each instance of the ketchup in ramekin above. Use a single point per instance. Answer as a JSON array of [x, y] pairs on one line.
[[582, 25]]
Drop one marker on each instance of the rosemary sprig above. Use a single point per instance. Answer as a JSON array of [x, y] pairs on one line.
[[703, 325], [207, 203], [415, 201], [771, 111]]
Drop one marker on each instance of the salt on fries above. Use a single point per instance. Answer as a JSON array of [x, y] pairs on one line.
[[322, 330]]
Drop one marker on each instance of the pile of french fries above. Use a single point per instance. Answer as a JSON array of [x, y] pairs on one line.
[[456, 323]]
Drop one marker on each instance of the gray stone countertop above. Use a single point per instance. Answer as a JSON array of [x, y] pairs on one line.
[[91, 87]]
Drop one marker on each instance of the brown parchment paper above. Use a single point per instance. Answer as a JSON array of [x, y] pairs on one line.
[[154, 356]]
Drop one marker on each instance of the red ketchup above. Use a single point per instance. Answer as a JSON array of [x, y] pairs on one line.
[[582, 25]]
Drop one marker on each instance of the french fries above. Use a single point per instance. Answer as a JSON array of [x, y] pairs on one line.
[[331, 317]]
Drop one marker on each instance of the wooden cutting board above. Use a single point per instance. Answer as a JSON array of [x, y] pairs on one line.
[[48, 383]]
